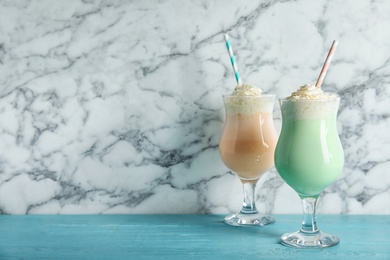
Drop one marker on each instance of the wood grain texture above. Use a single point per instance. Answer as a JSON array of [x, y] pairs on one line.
[[182, 237]]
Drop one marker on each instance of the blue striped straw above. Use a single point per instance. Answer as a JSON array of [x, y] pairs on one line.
[[232, 59]]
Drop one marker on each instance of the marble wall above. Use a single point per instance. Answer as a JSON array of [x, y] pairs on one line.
[[115, 106]]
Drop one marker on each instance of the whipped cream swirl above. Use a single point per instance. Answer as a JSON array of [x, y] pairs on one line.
[[248, 100], [246, 90], [308, 91]]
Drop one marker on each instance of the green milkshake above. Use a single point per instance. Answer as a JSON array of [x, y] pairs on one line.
[[309, 156]]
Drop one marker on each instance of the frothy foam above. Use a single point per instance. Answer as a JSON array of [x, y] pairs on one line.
[[310, 102], [300, 109], [247, 100]]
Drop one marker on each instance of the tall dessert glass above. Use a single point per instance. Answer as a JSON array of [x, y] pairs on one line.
[[247, 147], [309, 157]]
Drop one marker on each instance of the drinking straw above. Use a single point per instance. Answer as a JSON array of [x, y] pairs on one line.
[[232, 59], [326, 64]]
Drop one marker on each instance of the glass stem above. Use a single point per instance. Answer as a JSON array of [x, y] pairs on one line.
[[248, 205], [309, 224]]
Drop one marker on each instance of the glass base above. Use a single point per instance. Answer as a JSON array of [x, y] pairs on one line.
[[318, 239], [254, 219]]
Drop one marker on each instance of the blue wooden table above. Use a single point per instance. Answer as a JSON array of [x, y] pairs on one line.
[[183, 237]]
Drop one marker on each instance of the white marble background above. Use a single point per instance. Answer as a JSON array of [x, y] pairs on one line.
[[115, 106]]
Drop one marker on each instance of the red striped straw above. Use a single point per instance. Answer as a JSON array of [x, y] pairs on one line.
[[326, 64]]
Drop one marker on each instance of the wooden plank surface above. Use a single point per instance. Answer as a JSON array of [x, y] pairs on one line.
[[183, 237]]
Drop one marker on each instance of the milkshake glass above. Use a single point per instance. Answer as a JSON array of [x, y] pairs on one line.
[[247, 147], [309, 157]]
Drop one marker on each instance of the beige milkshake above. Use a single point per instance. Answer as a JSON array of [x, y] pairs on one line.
[[247, 147], [249, 138]]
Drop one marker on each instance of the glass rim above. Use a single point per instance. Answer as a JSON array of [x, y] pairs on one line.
[[249, 96], [337, 97]]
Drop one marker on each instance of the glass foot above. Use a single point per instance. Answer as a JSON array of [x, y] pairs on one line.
[[309, 240], [254, 219]]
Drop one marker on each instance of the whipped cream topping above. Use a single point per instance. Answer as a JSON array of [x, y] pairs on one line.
[[246, 90], [247, 100], [308, 91]]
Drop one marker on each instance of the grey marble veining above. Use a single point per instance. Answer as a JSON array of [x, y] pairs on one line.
[[115, 106]]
